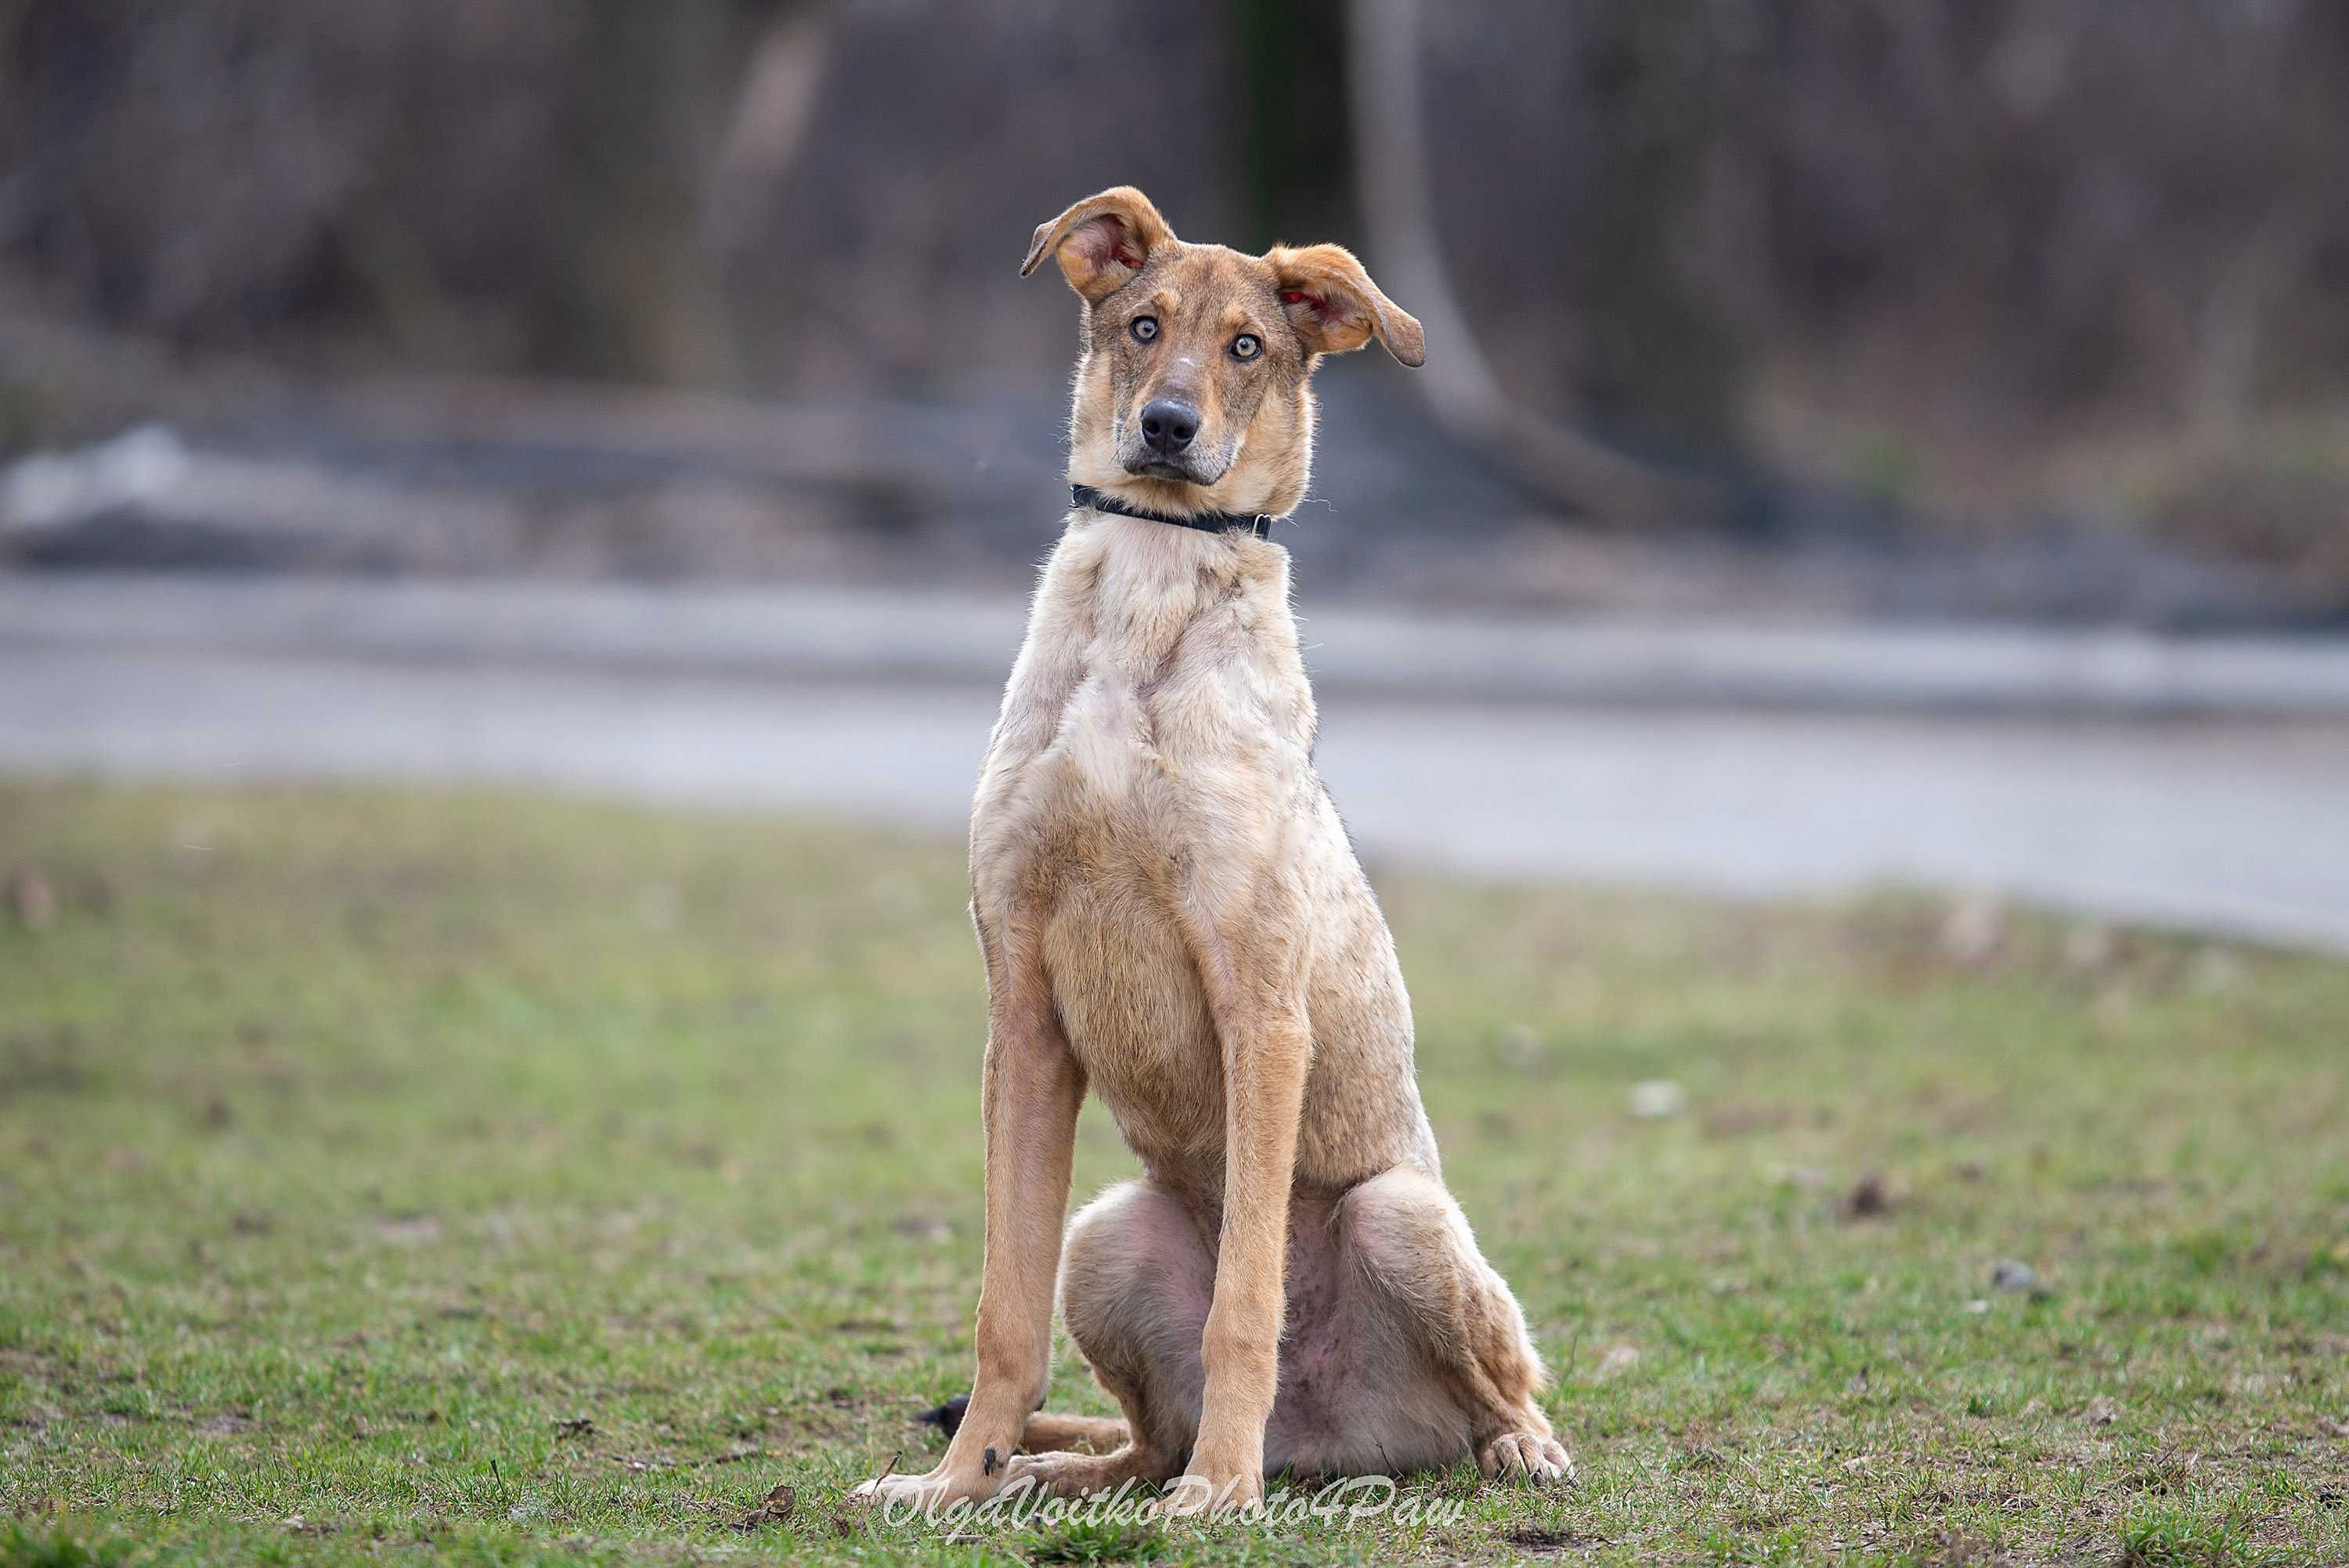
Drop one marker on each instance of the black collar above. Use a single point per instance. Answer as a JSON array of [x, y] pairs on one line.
[[1259, 522]]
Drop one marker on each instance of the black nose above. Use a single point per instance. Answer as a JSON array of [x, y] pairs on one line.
[[1168, 425]]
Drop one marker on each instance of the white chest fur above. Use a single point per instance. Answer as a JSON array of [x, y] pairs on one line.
[[1156, 658]]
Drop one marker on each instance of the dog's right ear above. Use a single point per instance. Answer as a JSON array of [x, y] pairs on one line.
[[1102, 242]]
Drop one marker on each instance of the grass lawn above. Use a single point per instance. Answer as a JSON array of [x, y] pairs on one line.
[[411, 1177]]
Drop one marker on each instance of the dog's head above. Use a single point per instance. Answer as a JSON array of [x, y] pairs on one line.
[[1193, 389]]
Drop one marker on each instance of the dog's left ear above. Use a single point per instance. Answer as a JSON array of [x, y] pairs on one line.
[[1102, 242], [1335, 307]]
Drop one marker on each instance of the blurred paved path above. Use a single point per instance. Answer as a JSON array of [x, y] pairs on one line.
[[2239, 826], [823, 632]]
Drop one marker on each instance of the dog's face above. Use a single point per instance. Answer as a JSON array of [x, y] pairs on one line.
[[1193, 392]]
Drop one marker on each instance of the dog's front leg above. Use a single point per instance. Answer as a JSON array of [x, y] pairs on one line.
[[1029, 1101], [1267, 1050]]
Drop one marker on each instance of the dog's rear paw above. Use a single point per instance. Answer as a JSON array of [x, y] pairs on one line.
[[1533, 1457], [1075, 1475]]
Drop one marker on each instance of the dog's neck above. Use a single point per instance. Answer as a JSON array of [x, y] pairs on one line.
[[1179, 620], [1128, 592], [1258, 524]]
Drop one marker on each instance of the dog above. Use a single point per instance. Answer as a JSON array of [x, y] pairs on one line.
[[1172, 916]]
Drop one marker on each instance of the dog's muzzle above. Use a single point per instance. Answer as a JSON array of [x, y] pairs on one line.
[[1162, 443]]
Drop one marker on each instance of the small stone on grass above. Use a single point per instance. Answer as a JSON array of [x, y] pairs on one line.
[[1657, 1099]]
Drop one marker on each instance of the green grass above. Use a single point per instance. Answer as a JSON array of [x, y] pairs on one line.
[[516, 1181]]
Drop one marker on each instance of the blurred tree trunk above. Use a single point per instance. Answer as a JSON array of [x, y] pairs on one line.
[[1393, 176], [646, 305], [768, 128]]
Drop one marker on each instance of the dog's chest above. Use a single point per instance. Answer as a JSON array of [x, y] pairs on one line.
[[1127, 993], [1106, 746], [1149, 729], [1142, 768]]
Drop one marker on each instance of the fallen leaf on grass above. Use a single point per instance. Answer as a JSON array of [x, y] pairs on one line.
[[774, 1509], [1870, 1196]]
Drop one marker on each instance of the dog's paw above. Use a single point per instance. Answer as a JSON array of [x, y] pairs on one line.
[[1196, 1492], [928, 1494], [1072, 1475], [1533, 1457]]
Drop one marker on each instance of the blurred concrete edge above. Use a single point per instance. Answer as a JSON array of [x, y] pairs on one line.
[[851, 633]]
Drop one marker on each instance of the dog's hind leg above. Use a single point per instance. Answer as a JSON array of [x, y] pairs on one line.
[[1050, 1433], [1422, 1280], [1046, 1432], [1136, 1277]]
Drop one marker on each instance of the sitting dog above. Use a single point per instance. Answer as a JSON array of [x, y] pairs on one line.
[[1172, 915]]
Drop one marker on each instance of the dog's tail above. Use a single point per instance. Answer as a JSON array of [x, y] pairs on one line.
[[945, 1417], [1046, 1433]]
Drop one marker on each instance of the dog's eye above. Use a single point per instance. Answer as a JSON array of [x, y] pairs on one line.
[[1246, 346], [1144, 328]]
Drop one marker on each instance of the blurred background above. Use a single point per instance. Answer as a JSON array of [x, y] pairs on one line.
[[1862, 440]]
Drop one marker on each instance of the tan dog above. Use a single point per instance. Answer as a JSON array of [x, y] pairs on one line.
[[1172, 915]]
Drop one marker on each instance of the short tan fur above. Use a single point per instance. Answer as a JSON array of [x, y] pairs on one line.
[[1172, 918]]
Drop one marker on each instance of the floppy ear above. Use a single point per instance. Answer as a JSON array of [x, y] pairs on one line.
[[1335, 307], [1102, 242]]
